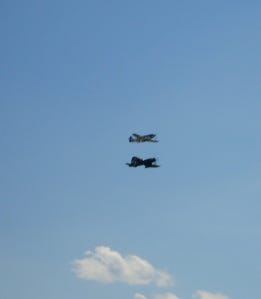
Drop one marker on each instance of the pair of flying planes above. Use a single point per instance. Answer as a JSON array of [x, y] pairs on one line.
[[135, 161]]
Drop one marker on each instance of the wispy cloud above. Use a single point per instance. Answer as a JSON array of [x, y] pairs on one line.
[[206, 295], [139, 296], [108, 266], [198, 294], [166, 296]]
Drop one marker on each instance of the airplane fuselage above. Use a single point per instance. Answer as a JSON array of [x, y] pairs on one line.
[[139, 140]]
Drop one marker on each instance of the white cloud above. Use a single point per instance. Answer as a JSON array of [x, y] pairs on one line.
[[108, 266], [139, 296], [207, 295], [166, 296]]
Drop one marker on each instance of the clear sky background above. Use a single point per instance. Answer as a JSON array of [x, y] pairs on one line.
[[76, 79]]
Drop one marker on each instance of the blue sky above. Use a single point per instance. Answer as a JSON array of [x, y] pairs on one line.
[[77, 78]]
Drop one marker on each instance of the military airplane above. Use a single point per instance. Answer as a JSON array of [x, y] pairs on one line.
[[148, 163], [142, 138]]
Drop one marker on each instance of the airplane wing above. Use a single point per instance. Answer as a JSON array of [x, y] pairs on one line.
[[149, 136], [150, 160], [136, 135], [152, 166], [149, 163]]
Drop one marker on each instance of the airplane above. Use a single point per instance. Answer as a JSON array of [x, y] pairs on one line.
[[148, 163], [142, 138]]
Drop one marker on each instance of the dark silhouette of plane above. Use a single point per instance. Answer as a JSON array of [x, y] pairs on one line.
[[148, 163], [142, 138]]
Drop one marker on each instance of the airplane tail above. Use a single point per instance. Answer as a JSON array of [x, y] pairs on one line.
[[129, 164]]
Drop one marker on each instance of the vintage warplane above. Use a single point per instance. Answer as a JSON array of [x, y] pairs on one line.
[[148, 163], [142, 138]]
